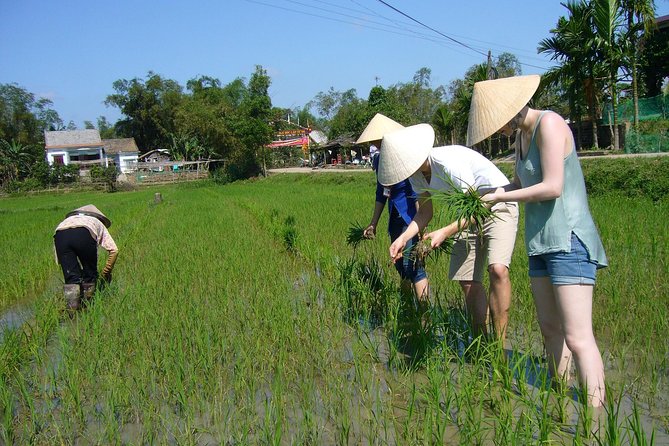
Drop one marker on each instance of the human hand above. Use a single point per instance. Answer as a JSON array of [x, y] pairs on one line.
[[107, 276], [492, 196], [397, 249], [370, 232], [437, 237]]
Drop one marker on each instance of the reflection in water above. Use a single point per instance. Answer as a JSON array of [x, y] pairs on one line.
[[13, 318]]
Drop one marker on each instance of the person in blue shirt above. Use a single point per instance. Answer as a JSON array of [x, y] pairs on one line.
[[402, 206]]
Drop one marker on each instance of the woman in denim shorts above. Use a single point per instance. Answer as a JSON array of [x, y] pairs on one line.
[[562, 240]]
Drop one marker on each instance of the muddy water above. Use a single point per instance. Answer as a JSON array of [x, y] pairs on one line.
[[13, 318], [361, 408]]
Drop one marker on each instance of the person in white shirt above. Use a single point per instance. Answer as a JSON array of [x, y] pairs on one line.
[[408, 153]]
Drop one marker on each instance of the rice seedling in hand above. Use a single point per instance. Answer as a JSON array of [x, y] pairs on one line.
[[356, 234], [423, 250], [464, 206]]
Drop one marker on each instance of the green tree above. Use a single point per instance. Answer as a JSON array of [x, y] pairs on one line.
[[419, 99], [443, 122], [327, 105], [23, 117], [105, 128], [579, 69], [204, 116], [15, 160], [251, 128], [149, 107], [640, 21], [609, 41]]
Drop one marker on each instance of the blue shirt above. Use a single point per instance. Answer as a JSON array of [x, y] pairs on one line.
[[402, 197]]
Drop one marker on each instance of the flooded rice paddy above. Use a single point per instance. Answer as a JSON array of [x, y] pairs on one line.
[[238, 315]]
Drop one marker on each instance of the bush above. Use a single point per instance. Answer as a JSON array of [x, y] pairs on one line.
[[649, 137], [634, 177], [107, 175]]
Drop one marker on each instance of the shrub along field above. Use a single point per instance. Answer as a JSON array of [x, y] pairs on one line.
[[239, 315]]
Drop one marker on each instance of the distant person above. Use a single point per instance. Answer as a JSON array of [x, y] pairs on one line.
[[408, 154], [76, 241], [562, 240], [401, 201]]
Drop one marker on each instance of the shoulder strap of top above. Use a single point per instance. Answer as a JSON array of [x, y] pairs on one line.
[[536, 124]]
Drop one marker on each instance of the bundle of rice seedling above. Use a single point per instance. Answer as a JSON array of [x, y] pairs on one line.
[[356, 234], [423, 250], [464, 205]]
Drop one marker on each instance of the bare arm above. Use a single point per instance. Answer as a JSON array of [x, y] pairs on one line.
[[370, 230], [554, 141], [419, 222]]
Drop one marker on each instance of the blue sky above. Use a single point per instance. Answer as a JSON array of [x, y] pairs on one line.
[[71, 51]]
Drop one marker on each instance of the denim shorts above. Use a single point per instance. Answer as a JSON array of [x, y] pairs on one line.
[[405, 266], [565, 268]]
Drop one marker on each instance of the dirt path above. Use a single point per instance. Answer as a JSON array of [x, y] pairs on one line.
[[509, 159], [319, 170]]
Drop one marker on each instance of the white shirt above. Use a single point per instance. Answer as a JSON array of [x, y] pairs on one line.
[[465, 167]]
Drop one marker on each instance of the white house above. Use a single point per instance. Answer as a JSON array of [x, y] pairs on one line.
[[122, 153], [85, 148]]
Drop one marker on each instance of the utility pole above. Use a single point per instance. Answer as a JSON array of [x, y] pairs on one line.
[[489, 70], [489, 76]]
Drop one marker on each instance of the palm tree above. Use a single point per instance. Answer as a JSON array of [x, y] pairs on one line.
[[640, 16], [572, 45], [443, 123], [608, 41]]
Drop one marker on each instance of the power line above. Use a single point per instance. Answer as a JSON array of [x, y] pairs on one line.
[[446, 36], [397, 28], [432, 29]]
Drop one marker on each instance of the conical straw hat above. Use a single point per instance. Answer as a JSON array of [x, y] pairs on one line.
[[91, 211], [377, 127], [496, 102], [403, 152]]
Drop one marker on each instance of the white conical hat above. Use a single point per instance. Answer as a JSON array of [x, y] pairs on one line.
[[496, 102], [403, 152], [92, 211], [377, 127]]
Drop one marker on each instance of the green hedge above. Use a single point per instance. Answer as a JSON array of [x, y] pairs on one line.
[[634, 177]]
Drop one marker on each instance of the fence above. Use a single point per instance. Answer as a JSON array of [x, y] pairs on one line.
[[169, 171], [656, 107], [646, 143]]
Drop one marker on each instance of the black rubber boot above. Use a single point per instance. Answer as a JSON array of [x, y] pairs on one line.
[[87, 290], [72, 292]]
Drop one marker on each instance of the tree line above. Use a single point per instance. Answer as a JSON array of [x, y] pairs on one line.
[[602, 49]]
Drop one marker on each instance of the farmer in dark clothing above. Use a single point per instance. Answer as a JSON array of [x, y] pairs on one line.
[[76, 242], [402, 207]]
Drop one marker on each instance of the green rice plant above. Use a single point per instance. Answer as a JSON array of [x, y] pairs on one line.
[[289, 234], [210, 311], [463, 206], [610, 433], [356, 235], [639, 437]]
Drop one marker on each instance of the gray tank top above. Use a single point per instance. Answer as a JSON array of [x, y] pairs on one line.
[[549, 224]]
